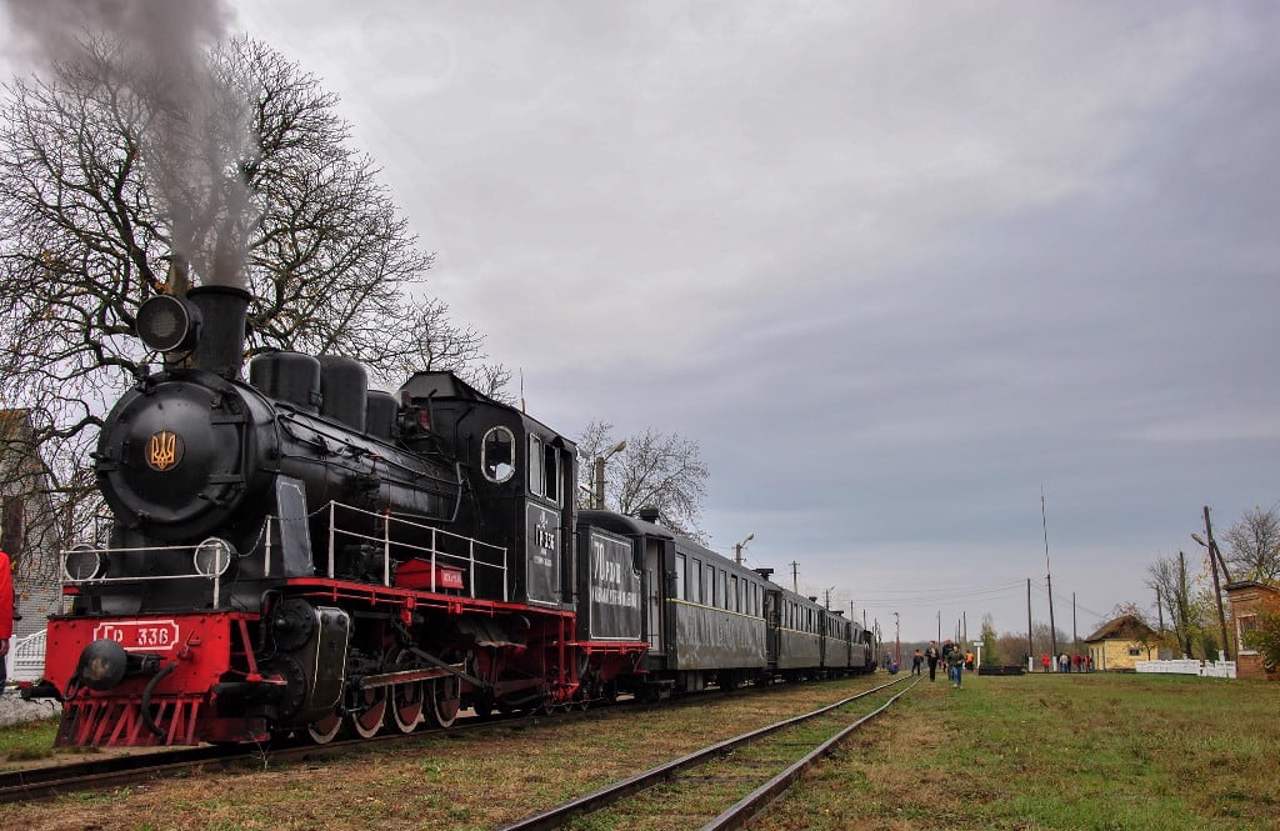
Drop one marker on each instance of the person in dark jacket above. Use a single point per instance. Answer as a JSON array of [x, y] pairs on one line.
[[955, 665], [917, 661], [931, 656]]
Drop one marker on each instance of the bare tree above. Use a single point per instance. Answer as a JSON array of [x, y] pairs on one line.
[[657, 470], [1253, 543], [437, 342], [1169, 576], [88, 233]]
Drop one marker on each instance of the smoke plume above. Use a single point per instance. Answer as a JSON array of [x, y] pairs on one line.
[[196, 145]]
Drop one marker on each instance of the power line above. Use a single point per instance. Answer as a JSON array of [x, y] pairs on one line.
[[945, 590]]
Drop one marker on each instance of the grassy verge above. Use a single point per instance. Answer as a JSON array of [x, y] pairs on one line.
[[27, 742], [470, 780], [1086, 752]]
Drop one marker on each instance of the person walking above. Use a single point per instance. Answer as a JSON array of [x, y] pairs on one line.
[[917, 661], [931, 655], [955, 666], [1064, 662], [6, 613]]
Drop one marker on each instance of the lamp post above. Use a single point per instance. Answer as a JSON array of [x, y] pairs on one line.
[[897, 639], [737, 547], [598, 477]]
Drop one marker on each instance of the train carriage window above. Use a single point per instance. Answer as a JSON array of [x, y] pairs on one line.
[[680, 566], [695, 581], [535, 469], [759, 610], [735, 595], [551, 473], [497, 454], [723, 590], [708, 589]]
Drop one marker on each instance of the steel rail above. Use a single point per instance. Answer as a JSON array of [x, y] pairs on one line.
[[747, 808], [40, 783], [559, 815], [33, 784]]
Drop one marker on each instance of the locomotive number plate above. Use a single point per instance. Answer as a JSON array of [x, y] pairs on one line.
[[139, 635]]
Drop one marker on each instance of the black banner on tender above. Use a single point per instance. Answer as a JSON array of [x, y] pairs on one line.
[[542, 554], [614, 587]]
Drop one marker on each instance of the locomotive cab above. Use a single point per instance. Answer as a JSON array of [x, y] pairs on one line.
[[519, 482]]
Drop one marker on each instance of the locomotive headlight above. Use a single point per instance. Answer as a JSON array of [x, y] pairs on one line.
[[82, 562], [213, 556], [167, 324]]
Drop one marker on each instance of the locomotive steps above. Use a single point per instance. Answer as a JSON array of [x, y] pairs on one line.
[[751, 755]]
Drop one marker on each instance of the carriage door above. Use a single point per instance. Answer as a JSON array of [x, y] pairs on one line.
[[653, 589]]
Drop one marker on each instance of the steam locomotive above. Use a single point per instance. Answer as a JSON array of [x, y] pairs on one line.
[[300, 554]]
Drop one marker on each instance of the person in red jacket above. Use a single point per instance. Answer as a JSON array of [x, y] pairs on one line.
[[6, 612]]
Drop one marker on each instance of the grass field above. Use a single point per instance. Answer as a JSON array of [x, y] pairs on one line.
[[1042, 752], [1061, 752]]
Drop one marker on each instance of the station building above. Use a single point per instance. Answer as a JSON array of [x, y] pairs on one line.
[[1121, 642], [28, 526], [1249, 600]]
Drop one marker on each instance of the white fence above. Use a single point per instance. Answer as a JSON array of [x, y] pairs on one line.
[[25, 661], [1189, 666]]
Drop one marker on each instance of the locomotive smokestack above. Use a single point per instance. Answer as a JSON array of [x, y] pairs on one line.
[[224, 311]]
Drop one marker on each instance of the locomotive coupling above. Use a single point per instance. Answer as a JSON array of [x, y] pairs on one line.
[[104, 664]]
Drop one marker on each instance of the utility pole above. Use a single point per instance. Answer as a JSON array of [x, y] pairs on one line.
[[965, 617], [1182, 604], [1048, 576], [1075, 635], [864, 615], [795, 577], [1031, 648], [939, 627], [1217, 589], [897, 639]]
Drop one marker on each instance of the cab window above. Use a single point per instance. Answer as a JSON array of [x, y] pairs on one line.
[[551, 473], [497, 454], [535, 468]]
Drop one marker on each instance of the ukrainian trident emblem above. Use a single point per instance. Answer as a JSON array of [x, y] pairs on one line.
[[164, 451]]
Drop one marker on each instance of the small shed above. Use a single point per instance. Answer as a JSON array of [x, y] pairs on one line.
[[1249, 599], [1120, 642]]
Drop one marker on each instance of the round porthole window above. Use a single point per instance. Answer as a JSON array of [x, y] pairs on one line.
[[498, 454]]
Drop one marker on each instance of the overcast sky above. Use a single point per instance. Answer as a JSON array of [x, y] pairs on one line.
[[893, 266]]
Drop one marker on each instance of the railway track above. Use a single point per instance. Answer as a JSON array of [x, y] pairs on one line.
[[52, 780], [742, 811]]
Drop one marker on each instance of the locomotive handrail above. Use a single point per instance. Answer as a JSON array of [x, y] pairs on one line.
[[432, 549], [67, 579]]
